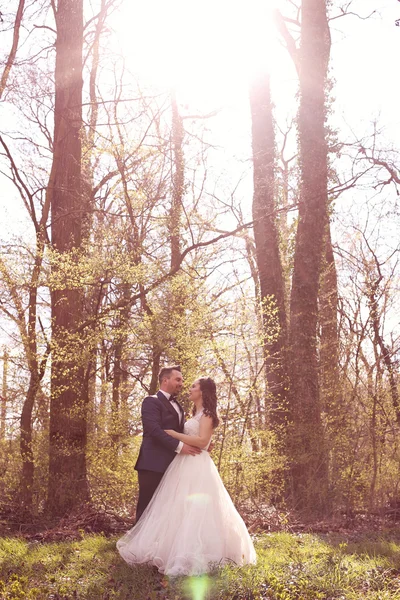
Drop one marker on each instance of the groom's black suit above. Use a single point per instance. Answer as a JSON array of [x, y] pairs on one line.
[[158, 448]]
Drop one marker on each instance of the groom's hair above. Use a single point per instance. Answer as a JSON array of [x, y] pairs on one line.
[[167, 372]]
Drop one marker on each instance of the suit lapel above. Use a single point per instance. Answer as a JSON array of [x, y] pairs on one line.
[[168, 405], [182, 417]]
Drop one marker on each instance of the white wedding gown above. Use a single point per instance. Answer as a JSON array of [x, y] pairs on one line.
[[190, 525]]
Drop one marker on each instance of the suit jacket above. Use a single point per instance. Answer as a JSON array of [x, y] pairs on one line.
[[158, 448]]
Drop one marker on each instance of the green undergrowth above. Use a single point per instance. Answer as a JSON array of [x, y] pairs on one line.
[[290, 566]]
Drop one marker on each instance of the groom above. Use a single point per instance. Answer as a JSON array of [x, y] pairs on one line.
[[158, 449]]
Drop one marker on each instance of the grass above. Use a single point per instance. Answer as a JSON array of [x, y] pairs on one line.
[[290, 566]]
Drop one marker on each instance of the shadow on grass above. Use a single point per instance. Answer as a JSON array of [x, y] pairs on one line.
[[374, 545]]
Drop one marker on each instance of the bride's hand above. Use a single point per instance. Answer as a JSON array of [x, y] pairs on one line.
[[171, 432]]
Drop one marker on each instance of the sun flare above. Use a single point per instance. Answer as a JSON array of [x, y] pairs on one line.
[[203, 49]]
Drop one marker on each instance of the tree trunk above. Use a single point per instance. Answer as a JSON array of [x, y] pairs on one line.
[[331, 393], [14, 47], [120, 341], [308, 451], [36, 367], [4, 394], [155, 367], [101, 417], [68, 488], [89, 390], [178, 184], [372, 293], [26, 483], [115, 433], [272, 285], [329, 346]]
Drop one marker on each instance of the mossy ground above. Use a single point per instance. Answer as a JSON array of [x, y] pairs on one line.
[[290, 566]]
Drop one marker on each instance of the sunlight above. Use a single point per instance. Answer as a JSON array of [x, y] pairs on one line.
[[200, 499], [204, 49]]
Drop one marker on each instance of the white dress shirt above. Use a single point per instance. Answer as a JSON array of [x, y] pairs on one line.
[[178, 410]]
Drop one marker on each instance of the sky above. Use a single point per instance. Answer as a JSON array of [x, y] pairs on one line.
[[364, 59], [210, 51]]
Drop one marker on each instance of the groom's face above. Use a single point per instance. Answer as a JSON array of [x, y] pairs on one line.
[[173, 385]]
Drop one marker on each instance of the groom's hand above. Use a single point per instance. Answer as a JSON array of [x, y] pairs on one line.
[[186, 449]]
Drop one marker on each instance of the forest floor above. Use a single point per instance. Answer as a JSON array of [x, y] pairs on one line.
[[301, 566]]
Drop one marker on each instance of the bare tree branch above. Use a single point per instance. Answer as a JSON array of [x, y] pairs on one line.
[[14, 47], [287, 37]]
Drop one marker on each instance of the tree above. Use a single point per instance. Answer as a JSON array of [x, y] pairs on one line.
[[14, 47], [4, 394], [67, 486], [308, 454], [266, 235], [28, 327]]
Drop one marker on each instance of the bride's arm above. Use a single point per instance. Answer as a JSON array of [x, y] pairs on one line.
[[201, 440]]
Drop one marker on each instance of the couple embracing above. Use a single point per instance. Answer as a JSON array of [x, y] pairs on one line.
[[186, 523]]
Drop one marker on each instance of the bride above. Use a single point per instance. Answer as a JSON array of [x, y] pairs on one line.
[[190, 525]]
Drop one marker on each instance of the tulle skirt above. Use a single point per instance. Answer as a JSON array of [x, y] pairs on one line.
[[191, 525]]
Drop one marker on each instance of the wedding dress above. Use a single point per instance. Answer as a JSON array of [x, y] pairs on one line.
[[191, 524]]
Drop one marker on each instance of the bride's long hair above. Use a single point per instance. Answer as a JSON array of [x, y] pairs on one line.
[[209, 395]]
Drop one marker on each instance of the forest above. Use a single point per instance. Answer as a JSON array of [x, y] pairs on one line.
[[212, 185]]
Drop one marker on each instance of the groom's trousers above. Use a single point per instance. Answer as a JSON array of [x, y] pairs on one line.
[[148, 483]]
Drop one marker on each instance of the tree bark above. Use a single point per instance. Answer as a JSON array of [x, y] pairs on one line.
[[331, 389], [308, 452], [266, 234], [372, 293], [329, 345], [4, 394], [120, 342], [178, 183], [155, 366], [67, 488], [36, 367], [101, 417]]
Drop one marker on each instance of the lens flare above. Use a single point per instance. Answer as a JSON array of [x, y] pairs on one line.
[[197, 588], [199, 499]]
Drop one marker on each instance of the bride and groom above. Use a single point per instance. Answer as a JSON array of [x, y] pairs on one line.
[[186, 522]]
